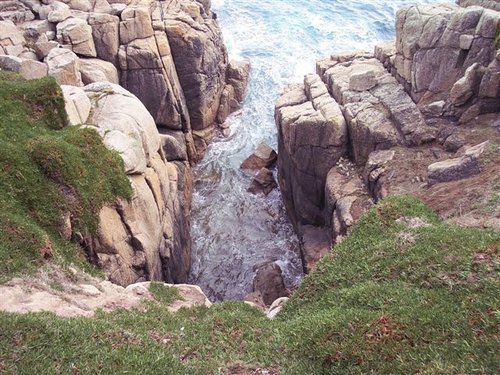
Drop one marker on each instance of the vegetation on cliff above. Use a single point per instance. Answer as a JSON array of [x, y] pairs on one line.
[[48, 170], [403, 293]]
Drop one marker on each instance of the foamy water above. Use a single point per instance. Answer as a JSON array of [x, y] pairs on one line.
[[233, 230]]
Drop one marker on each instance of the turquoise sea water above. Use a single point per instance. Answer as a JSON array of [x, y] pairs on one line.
[[233, 231]]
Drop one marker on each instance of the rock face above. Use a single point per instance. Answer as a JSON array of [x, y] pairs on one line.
[[368, 125], [447, 53], [148, 237], [172, 65], [170, 55]]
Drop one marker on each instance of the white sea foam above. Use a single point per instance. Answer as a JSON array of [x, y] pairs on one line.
[[232, 229]]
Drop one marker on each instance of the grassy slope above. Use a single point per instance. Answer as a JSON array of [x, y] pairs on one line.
[[388, 300], [47, 169]]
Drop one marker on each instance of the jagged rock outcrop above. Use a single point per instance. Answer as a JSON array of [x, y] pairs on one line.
[[392, 124], [168, 55], [447, 58], [312, 136]]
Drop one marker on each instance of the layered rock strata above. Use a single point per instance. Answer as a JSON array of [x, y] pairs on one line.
[[372, 124]]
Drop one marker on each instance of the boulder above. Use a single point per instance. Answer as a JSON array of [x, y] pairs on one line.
[[15, 11], [95, 70], [58, 12], [77, 104], [269, 283], [264, 182], [238, 73], [125, 125], [10, 36], [64, 66], [465, 87], [263, 157], [77, 34], [458, 168], [27, 68]]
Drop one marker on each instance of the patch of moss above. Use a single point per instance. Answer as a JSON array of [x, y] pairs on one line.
[[48, 169]]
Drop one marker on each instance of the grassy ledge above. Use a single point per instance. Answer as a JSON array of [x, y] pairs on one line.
[[48, 170], [392, 298]]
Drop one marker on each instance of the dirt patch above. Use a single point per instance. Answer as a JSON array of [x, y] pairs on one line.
[[471, 202]]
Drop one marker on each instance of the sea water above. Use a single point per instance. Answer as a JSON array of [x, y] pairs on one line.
[[234, 231]]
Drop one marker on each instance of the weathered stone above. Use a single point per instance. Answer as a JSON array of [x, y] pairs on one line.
[[312, 136], [15, 11], [458, 168], [264, 182], [10, 35], [237, 76], [315, 243], [276, 307], [125, 125], [77, 34], [95, 70], [269, 282], [465, 87], [263, 157], [105, 32], [77, 104], [43, 48], [362, 81], [174, 150], [27, 68], [64, 67], [58, 12]]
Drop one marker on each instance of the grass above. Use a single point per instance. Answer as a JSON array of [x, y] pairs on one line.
[[389, 299], [48, 170], [164, 293]]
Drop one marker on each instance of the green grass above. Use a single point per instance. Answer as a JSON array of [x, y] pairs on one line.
[[388, 300], [164, 293], [48, 169]]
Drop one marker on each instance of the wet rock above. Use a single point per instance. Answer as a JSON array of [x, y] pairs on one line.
[[458, 168], [27, 68], [237, 76], [264, 182], [269, 283], [263, 157]]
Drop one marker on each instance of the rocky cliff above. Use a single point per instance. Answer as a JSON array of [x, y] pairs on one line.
[[177, 85], [403, 119]]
